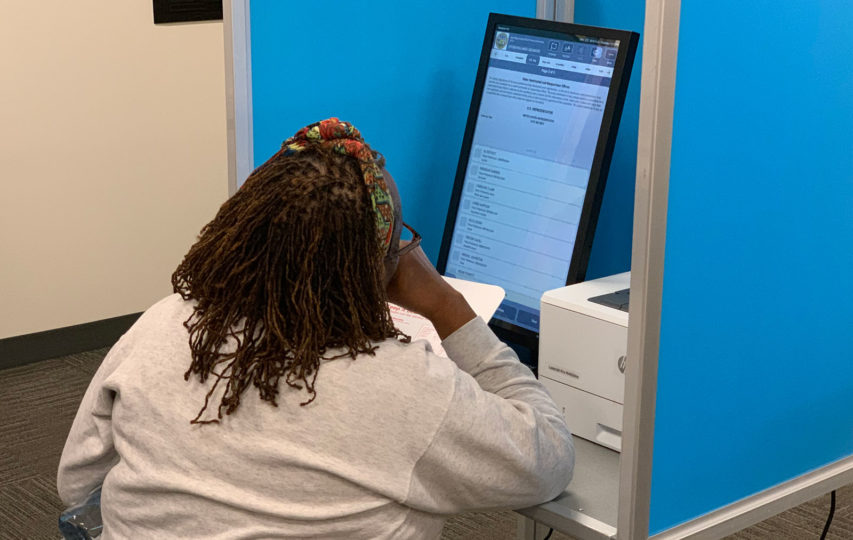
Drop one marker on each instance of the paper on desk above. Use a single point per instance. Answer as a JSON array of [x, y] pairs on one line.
[[484, 300]]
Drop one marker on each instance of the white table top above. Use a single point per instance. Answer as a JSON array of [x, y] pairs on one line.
[[588, 508]]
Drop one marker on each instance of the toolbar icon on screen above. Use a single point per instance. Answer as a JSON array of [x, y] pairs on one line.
[[501, 40]]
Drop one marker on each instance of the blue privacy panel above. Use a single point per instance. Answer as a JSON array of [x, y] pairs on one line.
[[755, 375], [611, 248], [402, 72]]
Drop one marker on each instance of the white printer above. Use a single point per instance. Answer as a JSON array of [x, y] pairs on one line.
[[582, 356]]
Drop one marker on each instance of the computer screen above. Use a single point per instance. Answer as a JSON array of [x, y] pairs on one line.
[[537, 146]]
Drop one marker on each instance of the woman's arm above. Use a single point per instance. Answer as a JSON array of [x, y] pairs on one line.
[[418, 287], [89, 453], [503, 443]]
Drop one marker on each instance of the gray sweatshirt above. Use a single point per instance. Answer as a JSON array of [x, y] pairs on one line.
[[392, 445]]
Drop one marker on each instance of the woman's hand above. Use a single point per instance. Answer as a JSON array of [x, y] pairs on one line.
[[417, 286]]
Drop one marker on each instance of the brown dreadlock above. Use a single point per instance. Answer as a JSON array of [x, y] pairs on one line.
[[289, 269]]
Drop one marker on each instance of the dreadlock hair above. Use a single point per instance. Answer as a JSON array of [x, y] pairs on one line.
[[290, 268]]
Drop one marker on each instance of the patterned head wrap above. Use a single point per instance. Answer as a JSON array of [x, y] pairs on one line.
[[344, 138]]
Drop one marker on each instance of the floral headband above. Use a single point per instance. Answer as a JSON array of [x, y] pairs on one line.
[[344, 138]]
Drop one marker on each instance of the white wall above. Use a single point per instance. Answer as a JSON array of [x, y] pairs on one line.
[[112, 157]]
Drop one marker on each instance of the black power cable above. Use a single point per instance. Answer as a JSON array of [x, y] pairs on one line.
[[551, 531], [831, 514]]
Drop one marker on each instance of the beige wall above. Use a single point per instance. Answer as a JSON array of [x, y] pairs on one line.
[[112, 156]]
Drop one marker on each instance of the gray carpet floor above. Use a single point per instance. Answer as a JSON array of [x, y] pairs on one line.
[[39, 402]]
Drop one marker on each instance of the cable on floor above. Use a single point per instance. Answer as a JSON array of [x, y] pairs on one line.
[[828, 519]]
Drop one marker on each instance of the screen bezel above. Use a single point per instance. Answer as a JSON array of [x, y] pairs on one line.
[[601, 160]]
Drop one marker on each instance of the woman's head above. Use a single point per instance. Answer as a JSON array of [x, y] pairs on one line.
[[292, 266]]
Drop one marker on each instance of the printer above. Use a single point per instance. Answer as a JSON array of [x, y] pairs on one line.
[[583, 342]]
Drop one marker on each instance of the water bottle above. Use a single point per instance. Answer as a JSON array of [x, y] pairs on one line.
[[83, 521]]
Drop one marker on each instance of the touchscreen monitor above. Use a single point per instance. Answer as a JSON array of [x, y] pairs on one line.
[[535, 154]]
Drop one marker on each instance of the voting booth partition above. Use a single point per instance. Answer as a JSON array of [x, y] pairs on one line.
[[739, 380], [744, 404]]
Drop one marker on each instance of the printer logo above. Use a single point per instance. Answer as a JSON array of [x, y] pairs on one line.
[[621, 362]]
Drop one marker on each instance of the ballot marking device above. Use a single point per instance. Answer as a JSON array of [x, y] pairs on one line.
[[541, 129]]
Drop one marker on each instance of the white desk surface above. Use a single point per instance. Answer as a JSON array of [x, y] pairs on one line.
[[588, 508]]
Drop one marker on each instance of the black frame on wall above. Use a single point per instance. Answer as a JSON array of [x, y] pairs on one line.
[[172, 11]]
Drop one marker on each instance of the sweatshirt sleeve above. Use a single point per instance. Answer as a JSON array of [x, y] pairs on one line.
[[502, 443], [89, 453]]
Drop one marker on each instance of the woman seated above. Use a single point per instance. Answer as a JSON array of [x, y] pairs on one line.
[[271, 395]]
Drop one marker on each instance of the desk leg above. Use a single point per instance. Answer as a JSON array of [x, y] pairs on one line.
[[530, 530]]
